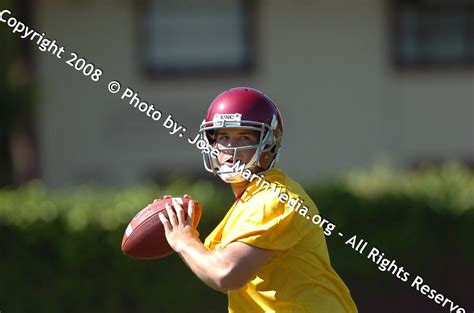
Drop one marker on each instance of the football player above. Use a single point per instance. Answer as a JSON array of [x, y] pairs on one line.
[[264, 255]]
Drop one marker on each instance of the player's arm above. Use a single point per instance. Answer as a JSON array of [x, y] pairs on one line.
[[213, 286], [222, 269]]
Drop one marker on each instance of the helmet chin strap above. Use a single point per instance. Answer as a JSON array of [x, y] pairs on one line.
[[227, 175], [230, 178]]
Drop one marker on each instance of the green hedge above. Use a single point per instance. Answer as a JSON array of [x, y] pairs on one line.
[[60, 251]]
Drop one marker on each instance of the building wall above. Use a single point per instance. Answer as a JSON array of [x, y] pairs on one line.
[[325, 63]]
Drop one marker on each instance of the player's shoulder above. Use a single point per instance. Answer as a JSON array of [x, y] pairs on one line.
[[280, 182]]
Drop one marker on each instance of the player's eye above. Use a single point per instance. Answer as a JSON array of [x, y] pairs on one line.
[[250, 139]]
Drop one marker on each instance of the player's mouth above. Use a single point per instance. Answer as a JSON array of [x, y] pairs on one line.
[[228, 160]]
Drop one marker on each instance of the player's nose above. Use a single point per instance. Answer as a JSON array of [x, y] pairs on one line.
[[233, 142]]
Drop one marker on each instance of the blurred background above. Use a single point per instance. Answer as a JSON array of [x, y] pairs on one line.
[[377, 99]]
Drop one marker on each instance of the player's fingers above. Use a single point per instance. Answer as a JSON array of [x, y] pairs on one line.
[[187, 196], [179, 211], [164, 221], [191, 213], [171, 215], [167, 197]]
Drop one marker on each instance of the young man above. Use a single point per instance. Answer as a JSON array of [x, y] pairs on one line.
[[263, 254]]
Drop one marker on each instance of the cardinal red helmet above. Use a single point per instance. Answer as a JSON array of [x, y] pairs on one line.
[[246, 108]]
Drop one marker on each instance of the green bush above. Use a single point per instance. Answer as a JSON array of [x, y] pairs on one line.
[[63, 251], [424, 220], [60, 251]]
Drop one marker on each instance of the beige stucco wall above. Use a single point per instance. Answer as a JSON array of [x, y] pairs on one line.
[[325, 63]]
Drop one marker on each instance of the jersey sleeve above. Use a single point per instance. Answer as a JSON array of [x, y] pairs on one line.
[[267, 223]]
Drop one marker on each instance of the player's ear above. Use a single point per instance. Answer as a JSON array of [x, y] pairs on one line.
[[266, 159]]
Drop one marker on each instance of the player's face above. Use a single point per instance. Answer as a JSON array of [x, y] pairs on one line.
[[236, 137]]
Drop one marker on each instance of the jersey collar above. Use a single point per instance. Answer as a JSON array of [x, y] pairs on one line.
[[270, 175]]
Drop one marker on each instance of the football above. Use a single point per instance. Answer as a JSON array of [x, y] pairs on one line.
[[145, 237]]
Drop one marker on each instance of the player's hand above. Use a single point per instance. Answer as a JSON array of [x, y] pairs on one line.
[[178, 226]]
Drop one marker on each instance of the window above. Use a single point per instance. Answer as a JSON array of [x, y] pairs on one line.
[[196, 36], [433, 33]]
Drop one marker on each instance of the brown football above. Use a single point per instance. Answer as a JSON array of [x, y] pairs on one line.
[[145, 237]]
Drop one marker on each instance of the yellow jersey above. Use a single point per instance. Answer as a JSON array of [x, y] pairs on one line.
[[299, 277]]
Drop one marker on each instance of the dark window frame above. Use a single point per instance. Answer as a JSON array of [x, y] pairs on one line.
[[426, 61], [248, 8]]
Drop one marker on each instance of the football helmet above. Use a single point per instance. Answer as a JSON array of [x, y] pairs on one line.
[[246, 108]]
